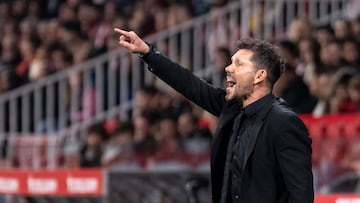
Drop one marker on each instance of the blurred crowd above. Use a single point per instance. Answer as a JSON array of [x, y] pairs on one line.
[[322, 67], [40, 37], [164, 129]]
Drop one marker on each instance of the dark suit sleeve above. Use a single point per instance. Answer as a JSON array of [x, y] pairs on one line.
[[210, 98], [293, 150]]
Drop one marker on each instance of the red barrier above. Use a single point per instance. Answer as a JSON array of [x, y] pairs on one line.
[[52, 183], [337, 198]]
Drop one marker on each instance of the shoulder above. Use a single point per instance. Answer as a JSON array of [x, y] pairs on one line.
[[282, 114]]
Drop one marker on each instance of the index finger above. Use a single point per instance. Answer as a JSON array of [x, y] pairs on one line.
[[123, 32]]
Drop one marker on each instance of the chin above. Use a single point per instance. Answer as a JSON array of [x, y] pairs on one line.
[[229, 97]]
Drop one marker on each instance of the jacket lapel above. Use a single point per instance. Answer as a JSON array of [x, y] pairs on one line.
[[259, 122]]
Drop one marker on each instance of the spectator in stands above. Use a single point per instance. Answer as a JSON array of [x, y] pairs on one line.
[[320, 87], [339, 99], [331, 56], [48, 33], [60, 58], [177, 13], [120, 145], [71, 36], [4, 12], [324, 34], [28, 48], [172, 101], [67, 13], [238, 175], [81, 97], [10, 56], [5, 80], [27, 29], [89, 17], [168, 154], [147, 97], [192, 138], [351, 53], [291, 86], [144, 142], [216, 74], [141, 20], [18, 9], [167, 128], [310, 63], [355, 27], [299, 29], [342, 29], [354, 92], [39, 66], [92, 150], [160, 19]]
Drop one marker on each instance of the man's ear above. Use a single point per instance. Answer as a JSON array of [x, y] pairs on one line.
[[260, 76]]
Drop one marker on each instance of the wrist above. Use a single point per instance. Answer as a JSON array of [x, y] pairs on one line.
[[147, 52]]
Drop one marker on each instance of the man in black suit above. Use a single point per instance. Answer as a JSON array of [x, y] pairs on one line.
[[262, 150]]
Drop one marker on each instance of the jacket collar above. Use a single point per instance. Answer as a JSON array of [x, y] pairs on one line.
[[258, 108]]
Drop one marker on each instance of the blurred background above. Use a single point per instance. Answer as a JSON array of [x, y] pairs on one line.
[[72, 101]]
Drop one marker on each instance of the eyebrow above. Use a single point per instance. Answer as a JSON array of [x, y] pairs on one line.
[[237, 60]]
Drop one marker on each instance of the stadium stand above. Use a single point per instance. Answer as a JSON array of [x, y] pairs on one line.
[[70, 98]]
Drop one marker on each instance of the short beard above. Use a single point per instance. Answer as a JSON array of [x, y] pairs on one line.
[[242, 99]]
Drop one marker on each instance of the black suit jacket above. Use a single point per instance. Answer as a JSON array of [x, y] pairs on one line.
[[277, 165]]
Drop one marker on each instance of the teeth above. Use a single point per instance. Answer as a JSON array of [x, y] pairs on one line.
[[230, 83]]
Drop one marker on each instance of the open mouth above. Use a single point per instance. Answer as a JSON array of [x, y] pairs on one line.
[[230, 82]]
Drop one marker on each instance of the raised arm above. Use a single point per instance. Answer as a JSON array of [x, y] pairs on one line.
[[210, 98]]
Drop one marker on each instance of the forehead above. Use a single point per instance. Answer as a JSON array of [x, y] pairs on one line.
[[243, 55]]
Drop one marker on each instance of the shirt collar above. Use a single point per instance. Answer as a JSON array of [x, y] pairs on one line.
[[255, 107]]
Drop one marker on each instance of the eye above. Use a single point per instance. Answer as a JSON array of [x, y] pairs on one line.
[[237, 63]]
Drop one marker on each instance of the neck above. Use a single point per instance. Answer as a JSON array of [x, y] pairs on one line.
[[255, 95]]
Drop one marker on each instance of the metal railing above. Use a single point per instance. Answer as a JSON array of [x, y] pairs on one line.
[[65, 103]]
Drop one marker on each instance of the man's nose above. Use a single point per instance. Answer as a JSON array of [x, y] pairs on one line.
[[228, 68]]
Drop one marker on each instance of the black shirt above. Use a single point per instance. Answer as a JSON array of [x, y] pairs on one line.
[[243, 128]]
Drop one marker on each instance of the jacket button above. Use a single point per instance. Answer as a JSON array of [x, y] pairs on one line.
[[236, 197]]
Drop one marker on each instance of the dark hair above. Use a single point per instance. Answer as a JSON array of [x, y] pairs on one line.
[[265, 57], [290, 47], [315, 49], [226, 52], [149, 89], [325, 27], [97, 128], [352, 41]]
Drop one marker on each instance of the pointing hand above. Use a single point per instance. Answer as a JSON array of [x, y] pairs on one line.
[[132, 42]]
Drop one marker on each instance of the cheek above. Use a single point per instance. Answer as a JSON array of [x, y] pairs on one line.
[[245, 84]]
